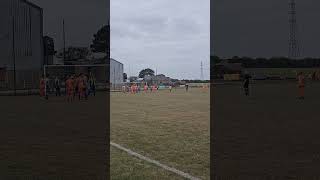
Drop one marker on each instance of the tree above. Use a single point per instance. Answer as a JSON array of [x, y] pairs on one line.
[[145, 72], [125, 77], [215, 59], [48, 49], [48, 43], [101, 39]]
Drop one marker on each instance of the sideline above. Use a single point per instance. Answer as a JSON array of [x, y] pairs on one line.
[[157, 163]]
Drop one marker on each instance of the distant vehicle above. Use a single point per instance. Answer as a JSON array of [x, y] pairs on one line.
[[162, 87]]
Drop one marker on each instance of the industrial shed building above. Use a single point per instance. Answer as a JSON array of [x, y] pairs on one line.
[[116, 74], [21, 44]]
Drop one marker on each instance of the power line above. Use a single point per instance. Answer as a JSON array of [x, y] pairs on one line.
[[294, 46], [202, 77], [14, 54], [64, 41]]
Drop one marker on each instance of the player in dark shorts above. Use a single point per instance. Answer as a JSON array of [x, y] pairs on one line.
[[92, 83], [57, 86], [187, 87], [246, 85]]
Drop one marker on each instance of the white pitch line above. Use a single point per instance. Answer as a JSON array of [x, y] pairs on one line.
[[183, 174]]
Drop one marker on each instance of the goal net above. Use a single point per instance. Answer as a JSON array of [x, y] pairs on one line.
[[56, 76]]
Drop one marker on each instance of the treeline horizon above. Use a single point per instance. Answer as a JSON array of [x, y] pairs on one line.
[[273, 62]]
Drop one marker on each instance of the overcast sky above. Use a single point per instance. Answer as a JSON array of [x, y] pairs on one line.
[[83, 18], [261, 28], [172, 37]]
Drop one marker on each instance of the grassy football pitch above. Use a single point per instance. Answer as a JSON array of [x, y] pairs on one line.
[[269, 135], [53, 139], [172, 128]]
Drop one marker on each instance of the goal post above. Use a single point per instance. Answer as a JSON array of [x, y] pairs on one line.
[[60, 73]]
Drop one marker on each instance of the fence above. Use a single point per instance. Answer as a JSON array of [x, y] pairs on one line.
[[24, 80]]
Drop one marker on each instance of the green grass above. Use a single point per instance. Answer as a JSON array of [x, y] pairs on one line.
[[269, 134], [48, 139], [125, 166], [172, 128]]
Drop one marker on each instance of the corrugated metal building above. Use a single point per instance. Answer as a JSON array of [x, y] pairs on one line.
[[116, 74], [21, 43]]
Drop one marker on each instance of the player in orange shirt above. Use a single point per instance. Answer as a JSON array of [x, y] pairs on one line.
[[42, 87], [132, 89], [70, 88], [136, 88], [81, 87], [76, 86], [145, 88], [154, 88]]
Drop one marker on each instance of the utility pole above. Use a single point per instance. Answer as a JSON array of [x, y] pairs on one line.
[[64, 42], [294, 46], [114, 78], [108, 42], [201, 72], [14, 56]]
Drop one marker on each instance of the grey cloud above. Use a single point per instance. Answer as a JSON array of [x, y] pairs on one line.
[[170, 36], [260, 28]]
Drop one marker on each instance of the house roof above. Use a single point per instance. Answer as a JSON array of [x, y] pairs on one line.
[[32, 4], [115, 60]]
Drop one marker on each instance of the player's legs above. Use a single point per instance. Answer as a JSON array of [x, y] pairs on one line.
[[301, 92], [246, 91], [68, 94], [87, 92]]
